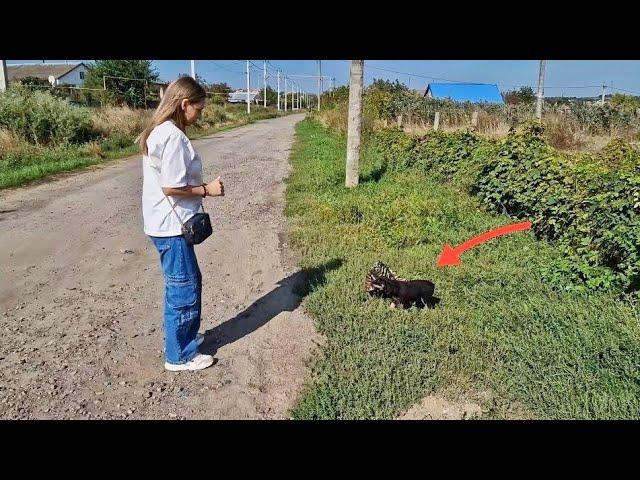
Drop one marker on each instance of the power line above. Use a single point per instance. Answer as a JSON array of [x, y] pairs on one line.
[[498, 83], [225, 68], [416, 75], [623, 90], [299, 79]]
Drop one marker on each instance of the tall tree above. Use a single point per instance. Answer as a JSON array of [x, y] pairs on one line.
[[133, 83]]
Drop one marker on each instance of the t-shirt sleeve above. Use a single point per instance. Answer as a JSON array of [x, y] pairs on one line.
[[175, 162]]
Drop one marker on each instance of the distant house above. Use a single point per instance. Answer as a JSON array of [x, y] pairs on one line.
[[465, 92], [71, 74], [159, 86], [564, 109], [240, 96]]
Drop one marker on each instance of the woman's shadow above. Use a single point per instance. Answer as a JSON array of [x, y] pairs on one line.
[[287, 296]]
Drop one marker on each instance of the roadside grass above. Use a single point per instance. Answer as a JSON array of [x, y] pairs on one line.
[[25, 162], [500, 336]]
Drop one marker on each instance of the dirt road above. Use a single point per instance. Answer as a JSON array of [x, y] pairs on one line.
[[81, 293]]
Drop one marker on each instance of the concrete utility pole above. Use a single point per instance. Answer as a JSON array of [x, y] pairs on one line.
[[193, 69], [319, 81], [4, 78], [603, 90], [248, 86], [540, 90], [355, 122], [278, 90], [264, 75], [285, 94]]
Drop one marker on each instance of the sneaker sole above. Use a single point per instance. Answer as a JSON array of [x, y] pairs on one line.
[[181, 367]]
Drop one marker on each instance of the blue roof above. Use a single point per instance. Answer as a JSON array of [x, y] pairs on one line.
[[466, 92]]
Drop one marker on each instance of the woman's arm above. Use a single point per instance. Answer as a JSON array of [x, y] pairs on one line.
[[211, 189], [187, 191]]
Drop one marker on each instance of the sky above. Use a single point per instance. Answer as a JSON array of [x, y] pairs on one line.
[[562, 77]]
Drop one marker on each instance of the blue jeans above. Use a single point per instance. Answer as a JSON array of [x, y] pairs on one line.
[[182, 297]]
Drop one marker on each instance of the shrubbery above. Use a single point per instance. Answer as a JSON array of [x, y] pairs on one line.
[[41, 118], [588, 204]]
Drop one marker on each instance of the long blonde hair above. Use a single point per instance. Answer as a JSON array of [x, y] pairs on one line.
[[170, 106]]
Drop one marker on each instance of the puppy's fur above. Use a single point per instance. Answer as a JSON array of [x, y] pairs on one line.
[[382, 282]]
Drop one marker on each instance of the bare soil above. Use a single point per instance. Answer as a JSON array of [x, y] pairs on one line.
[[81, 293]]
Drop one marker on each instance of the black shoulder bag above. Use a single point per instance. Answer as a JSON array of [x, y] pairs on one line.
[[197, 229]]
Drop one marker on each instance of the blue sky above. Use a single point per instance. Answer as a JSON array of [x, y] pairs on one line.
[[563, 77]]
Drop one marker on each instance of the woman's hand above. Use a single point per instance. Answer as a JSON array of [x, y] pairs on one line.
[[215, 188]]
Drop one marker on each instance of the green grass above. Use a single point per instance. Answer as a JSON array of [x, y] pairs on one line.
[[500, 337], [239, 117], [33, 163]]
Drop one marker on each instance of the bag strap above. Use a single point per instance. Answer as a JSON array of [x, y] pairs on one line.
[[172, 207]]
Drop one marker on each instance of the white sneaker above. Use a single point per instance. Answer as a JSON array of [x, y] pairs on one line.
[[198, 362], [199, 339]]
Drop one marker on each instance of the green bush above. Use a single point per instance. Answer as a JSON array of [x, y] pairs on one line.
[[394, 147], [212, 115], [587, 204], [41, 118]]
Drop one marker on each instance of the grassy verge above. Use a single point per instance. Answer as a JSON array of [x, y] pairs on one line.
[[500, 337], [33, 163], [28, 165]]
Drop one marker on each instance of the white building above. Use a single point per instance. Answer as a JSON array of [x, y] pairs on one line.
[[71, 74], [240, 96]]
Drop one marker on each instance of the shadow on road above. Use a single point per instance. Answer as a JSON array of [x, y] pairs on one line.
[[287, 296]]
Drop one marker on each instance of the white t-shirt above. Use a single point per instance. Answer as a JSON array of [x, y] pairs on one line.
[[171, 162]]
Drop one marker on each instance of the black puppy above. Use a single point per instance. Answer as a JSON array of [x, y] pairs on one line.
[[382, 282]]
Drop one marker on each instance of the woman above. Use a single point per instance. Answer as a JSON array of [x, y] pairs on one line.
[[172, 192]]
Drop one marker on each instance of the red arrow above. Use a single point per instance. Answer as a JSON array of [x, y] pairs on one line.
[[451, 256]]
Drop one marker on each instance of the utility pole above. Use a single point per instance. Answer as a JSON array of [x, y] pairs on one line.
[[264, 75], [319, 81], [603, 90], [248, 86], [355, 122], [4, 78], [540, 90], [285, 94], [193, 69], [278, 89]]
